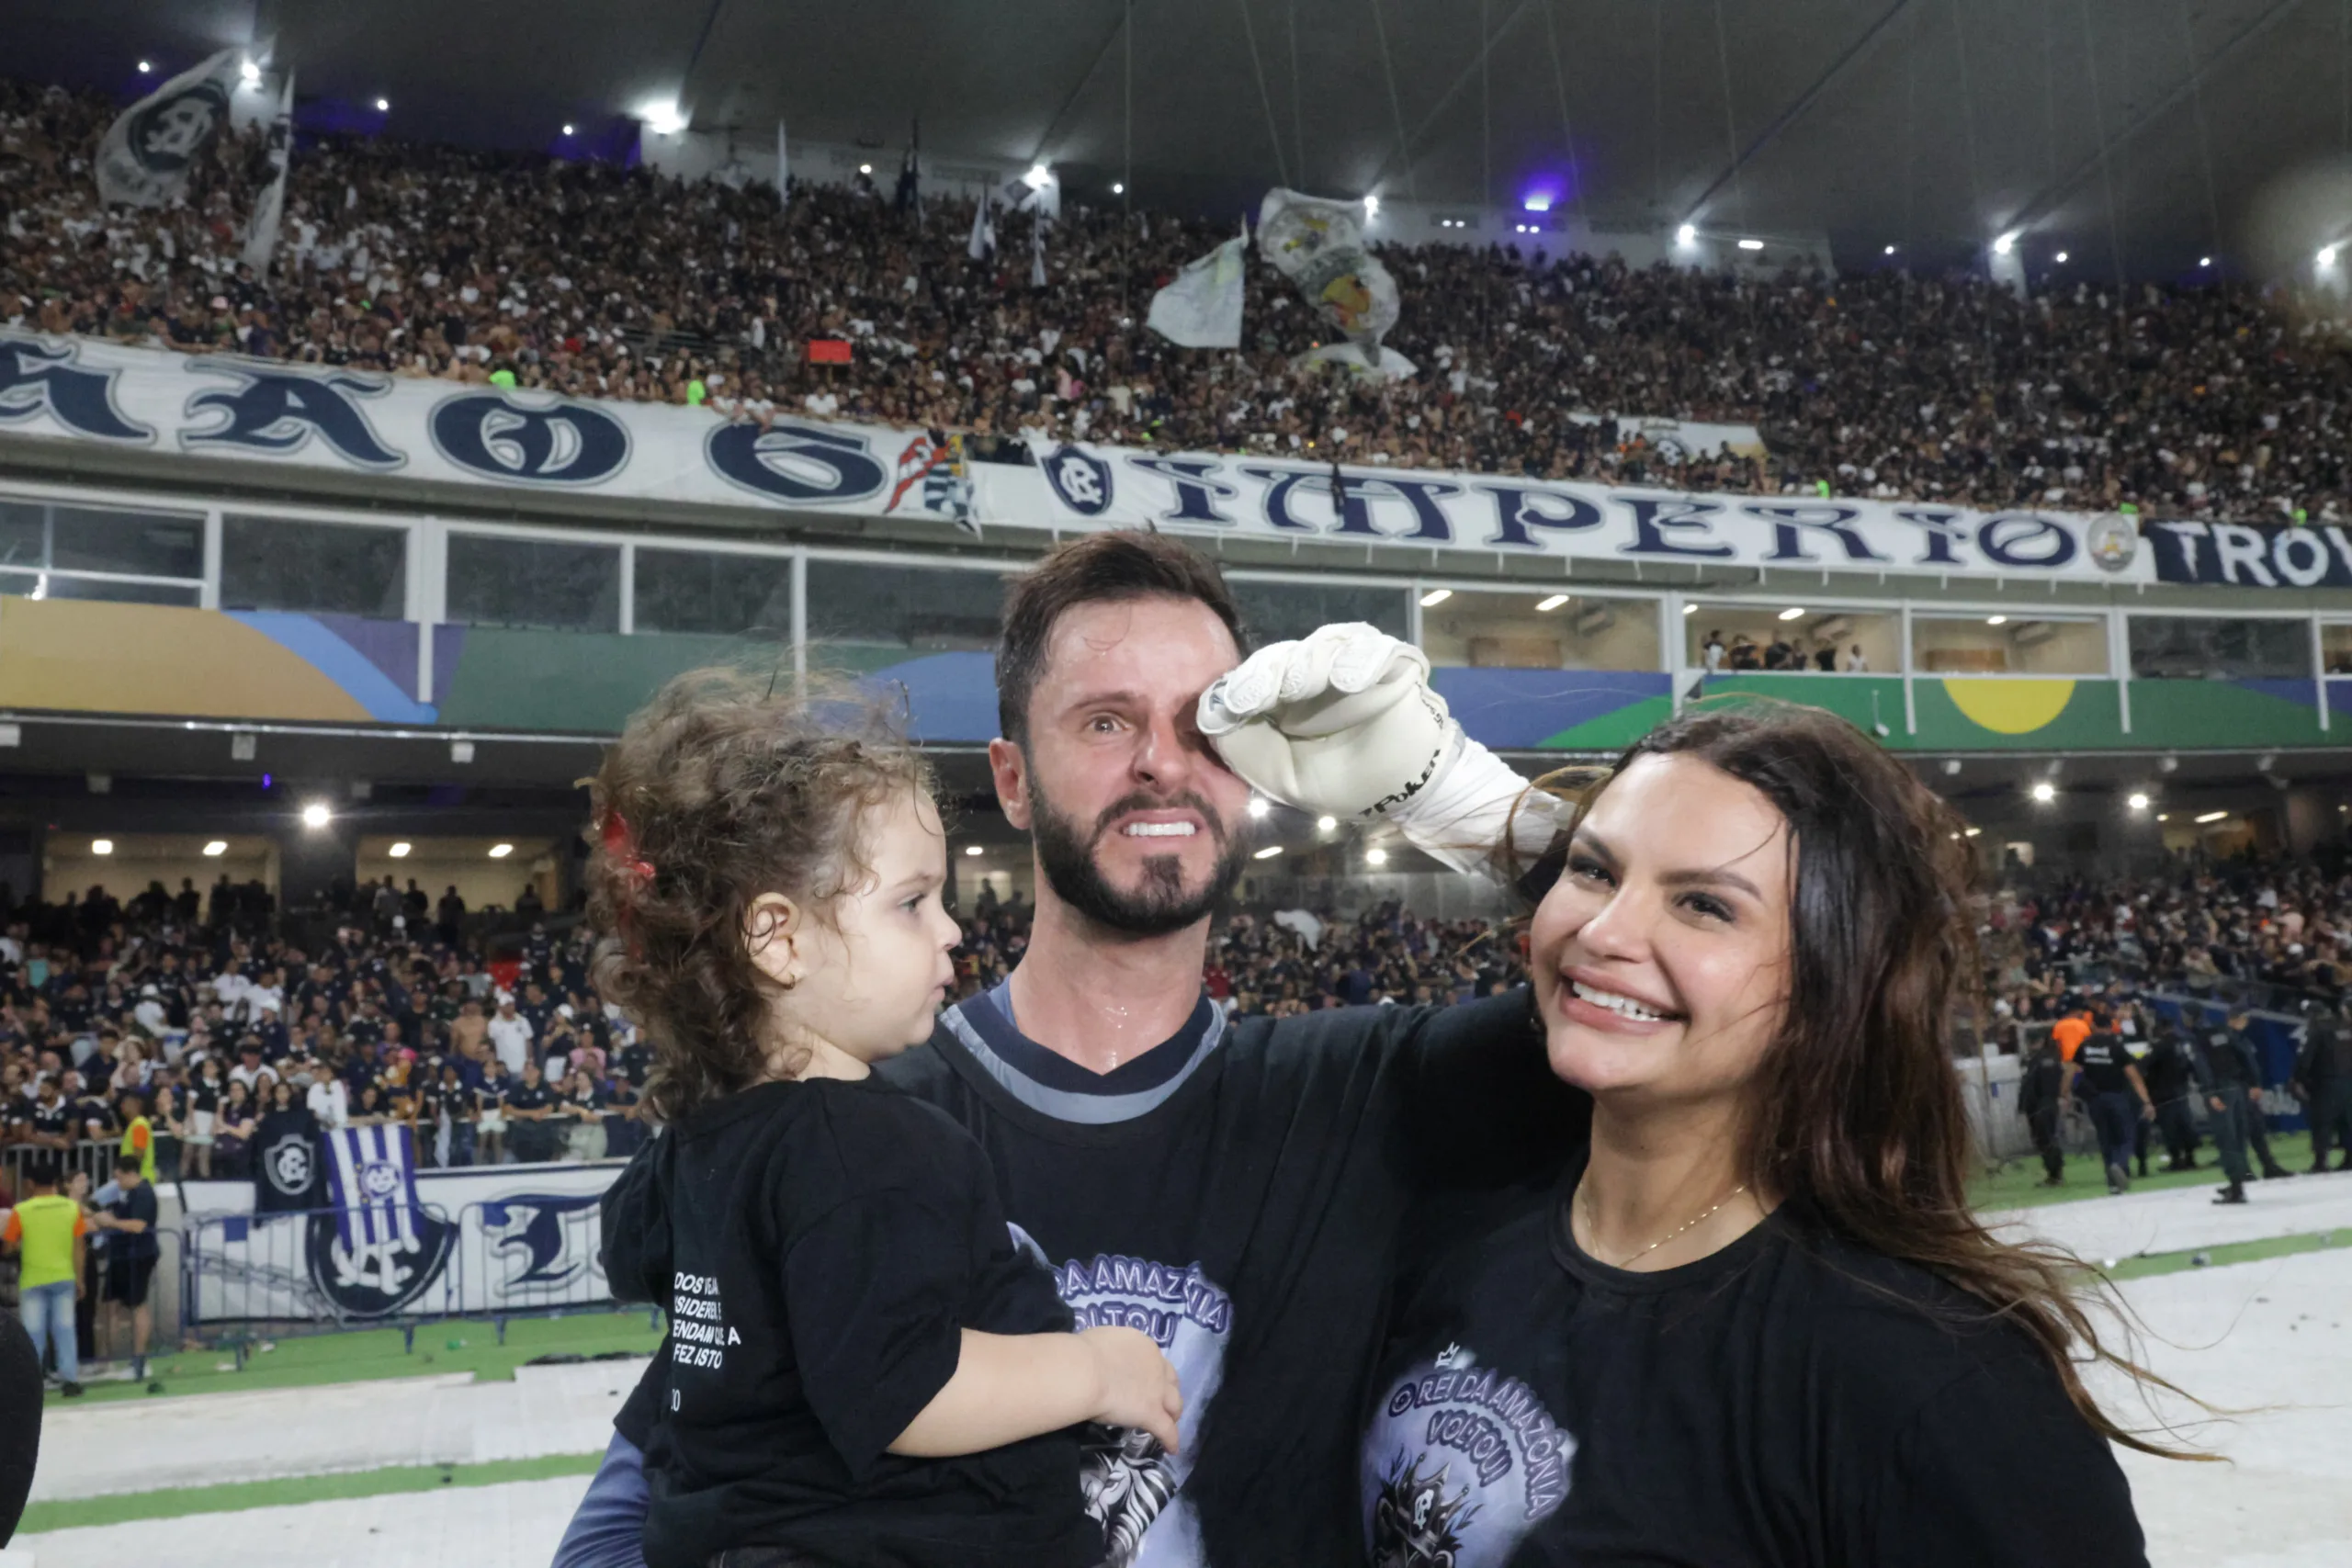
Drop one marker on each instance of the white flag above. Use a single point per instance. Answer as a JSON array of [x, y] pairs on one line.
[[982, 245], [1318, 246], [783, 166], [1202, 309], [146, 153], [1037, 253], [269, 210]]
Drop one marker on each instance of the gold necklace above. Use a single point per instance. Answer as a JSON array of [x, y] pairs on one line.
[[1585, 1193]]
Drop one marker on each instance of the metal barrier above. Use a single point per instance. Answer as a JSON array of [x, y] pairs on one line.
[[287, 1272], [93, 1158]]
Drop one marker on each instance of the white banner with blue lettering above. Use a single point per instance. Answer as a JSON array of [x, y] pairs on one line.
[[213, 407], [1287, 498]]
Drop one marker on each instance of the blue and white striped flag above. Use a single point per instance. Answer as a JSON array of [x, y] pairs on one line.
[[372, 1173]]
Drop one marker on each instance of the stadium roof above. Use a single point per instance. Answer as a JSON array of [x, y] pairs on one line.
[[1920, 123]]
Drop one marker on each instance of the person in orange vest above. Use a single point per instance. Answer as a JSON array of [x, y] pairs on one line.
[[2070, 1033]]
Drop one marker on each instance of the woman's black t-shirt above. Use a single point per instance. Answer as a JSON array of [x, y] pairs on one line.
[[820, 1247], [1791, 1401]]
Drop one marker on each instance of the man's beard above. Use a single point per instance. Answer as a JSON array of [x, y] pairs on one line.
[[1161, 904]]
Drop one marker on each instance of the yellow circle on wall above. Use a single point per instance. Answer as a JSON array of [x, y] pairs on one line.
[[2010, 707]]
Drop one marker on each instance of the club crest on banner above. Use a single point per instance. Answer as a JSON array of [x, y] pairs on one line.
[[288, 1163], [1080, 480], [379, 1248], [2112, 543]]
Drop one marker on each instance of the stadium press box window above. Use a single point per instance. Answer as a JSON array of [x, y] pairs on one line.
[[2335, 646], [863, 615], [1760, 638], [1534, 628], [1998, 643], [1284, 612], [540, 584], [2210, 648], [709, 590], [281, 563], [44, 548]]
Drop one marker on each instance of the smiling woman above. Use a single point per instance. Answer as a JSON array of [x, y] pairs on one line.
[[1757, 1313]]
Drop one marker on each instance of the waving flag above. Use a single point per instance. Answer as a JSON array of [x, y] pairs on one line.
[[1318, 246], [1202, 309], [261, 231], [147, 153], [982, 245]]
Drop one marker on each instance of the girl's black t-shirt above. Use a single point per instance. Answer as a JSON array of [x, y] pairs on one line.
[[1790, 1402], [820, 1247]]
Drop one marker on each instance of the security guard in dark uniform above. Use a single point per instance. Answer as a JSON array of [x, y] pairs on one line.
[[2114, 1086], [2258, 1124], [2228, 1074], [2041, 1093], [2166, 1068], [2323, 1082]]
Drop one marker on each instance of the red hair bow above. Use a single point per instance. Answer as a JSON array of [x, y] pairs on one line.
[[620, 847]]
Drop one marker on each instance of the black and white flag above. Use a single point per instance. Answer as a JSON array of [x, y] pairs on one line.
[[269, 210], [146, 155]]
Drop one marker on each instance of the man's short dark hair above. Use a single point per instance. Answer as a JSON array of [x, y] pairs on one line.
[[1106, 567], [124, 1161]]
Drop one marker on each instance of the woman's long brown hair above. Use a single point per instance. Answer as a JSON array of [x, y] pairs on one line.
[[1862, 1115]]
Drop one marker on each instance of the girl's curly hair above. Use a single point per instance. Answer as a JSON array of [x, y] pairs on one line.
[[718, 791]]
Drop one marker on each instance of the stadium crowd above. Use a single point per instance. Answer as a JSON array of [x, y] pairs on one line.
[[181, 1023], [593, 279], [2277, 934], [196, 1016]]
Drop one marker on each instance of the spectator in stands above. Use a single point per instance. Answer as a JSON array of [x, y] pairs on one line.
[[129, 1218], [49, 1123], [490, 1109], [530, 1108], [204, 1098], [583, 1102], [511, 1035], [328, 1099], [233, 1133], [2220, 401], [455, 1106], [49, 1235], [171, 1132], [374, 1107]]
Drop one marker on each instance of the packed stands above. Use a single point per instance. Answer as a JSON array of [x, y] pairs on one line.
[[106, 1000], [590, 279], [398, 1012]]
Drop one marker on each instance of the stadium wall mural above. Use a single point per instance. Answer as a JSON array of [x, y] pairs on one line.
[[80, 655]]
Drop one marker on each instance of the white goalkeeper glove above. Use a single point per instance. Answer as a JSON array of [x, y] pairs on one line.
[[1344, 723]]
